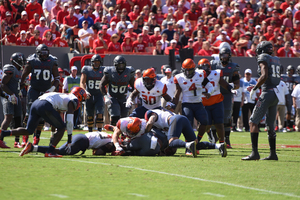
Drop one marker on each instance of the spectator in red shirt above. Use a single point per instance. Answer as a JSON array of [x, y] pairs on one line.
[[251, 52], [61, 79], [193, 13], [126, 46], [197, 46], [114, 45], [35, 40], [155, 37], [100, 45], [159, 16], [8, 7], [47, 39], [146, 37], [285, 51], [215, 46], [142, 3], [22, 40], [10, 39], [62, 13], [269, 33], [139, 45], [125, 4], [130, 33], [275, 17], [179, 12], [91, 15], [236, 17], [172, 46], [70, 23], [135, 13], [206, 50], [55, 9], [285, 5], [189, 44], [35, 20], [9, 20], [61, 41], [30, 31], [32, 8], [117, 17], [24, 23], [275, 35]]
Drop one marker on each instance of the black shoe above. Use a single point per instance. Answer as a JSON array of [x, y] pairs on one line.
[[252, 156], [223, 149], [271, 157]]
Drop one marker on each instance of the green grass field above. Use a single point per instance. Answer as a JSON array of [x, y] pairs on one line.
[[209, 176]]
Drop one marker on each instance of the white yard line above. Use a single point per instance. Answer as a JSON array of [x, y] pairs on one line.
[[59, 196], [216, 195], [138, 195]]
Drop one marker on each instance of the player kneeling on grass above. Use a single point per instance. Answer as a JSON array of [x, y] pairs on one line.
[[139, 142], [48, 106], [99, 142]]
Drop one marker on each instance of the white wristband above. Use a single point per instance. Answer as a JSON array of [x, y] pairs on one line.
[[117, 145]]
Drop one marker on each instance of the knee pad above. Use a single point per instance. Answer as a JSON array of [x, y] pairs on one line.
[[90, 121], [272, 134], [114, 120], [17, 121]]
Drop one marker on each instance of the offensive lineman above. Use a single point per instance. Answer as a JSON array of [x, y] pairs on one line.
[[230, 72], [190, 84], [42, 67], [11, 85], [214, 105], [150, 90], [289, 80], [90, 80], [269, 71], [117, 78], [48, 106]]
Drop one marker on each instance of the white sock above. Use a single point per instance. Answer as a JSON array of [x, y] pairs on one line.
[[35, 148], [217, 146]]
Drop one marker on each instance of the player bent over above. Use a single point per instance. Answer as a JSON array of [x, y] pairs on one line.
[[269, 72], [48, 106]]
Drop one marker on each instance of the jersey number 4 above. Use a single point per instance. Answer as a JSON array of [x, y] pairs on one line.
[[193, 88]]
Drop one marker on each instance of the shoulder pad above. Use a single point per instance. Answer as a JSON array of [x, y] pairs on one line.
[[132, 70], [262, 58], [85, 69], [31, 57], [8, 68], [107, 70]]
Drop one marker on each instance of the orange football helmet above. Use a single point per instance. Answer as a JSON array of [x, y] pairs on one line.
[[188, 68], [134, 126], [79, 93], [205, 65], [149, 78]]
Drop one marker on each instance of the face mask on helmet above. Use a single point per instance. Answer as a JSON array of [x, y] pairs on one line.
[[205, 67], [120, 67], [96, 64], [44, 54], [224, 58], [189, 73], [149, 82]]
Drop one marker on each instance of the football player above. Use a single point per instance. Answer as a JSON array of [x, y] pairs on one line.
[[117, 78], [42, 67], [190, 84], [90, 80], [214, 105], [289, 80], [11, 86], [230, 72], [150, 90], [48, 106], [133, 128], [99, 142], [269, 72]]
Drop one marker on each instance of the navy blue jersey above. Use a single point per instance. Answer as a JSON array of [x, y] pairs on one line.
[[14, 83], [227, 71], [118, 83], [273, 64], [289, 81], [296, 78], [93, 78], [41, 72]]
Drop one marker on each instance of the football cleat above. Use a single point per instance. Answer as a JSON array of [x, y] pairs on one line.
[[36, 140], [252, 156], [117, 153], [270, 157], [276, 128], [28, 148], [52, 155], [223, 149], [192, 147], [109, 127], [228, 146], [25, 139], [17, 145], [3, 145], [288, 129]]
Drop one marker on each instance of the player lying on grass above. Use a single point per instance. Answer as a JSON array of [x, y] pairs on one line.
[[48, 106], [99, 142], [175, 125]]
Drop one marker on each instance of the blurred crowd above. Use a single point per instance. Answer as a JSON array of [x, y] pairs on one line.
[[153, 27]]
